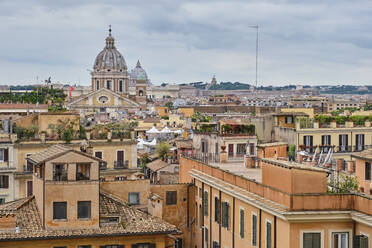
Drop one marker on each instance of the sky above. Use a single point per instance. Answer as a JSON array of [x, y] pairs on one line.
[[178, 41]]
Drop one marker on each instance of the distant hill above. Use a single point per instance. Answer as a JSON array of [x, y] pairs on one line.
[[230, 86]]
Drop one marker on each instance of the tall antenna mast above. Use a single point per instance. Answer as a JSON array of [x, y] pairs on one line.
[[256, 27]]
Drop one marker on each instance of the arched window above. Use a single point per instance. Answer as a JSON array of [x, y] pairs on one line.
[[97, 85], [140, 92]]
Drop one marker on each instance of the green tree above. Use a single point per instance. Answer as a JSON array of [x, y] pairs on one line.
[[144, 159], [292, 152], [162, 149], [169, 105], [67, 135], [347, 184]]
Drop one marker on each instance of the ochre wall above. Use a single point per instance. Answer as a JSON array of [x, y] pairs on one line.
[[360, 174], [127, 241]]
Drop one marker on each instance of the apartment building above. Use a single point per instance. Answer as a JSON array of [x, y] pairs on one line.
[[69, 209], [120, 156], [237, 138], [7, 168], [337, 104], [280, 204], [363, 171]]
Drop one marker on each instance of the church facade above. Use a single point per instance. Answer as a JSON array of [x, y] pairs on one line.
[[113, 90]]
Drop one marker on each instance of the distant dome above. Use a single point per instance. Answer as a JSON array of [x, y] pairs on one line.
[[138, 73], [110, 59]]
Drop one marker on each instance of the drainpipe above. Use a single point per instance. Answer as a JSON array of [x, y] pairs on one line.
[[233, 224], [259, 229], [202, 216], [275, 231]]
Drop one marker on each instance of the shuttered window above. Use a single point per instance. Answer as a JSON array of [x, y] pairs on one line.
[[254, 230], [242, 223], [217, 209], [225, 214], [268, 235], [311, 240], [171, 197], [4, 181], [205, 203], [368, 171]]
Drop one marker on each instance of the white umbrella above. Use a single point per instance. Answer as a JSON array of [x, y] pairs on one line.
[[152, 130], [165, 130]]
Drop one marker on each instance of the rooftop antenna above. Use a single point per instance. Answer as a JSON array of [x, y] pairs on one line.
[[256, 27], [110, 30]]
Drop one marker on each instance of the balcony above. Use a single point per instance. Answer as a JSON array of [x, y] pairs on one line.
[[28, 168], [336, 149], [119, 164]]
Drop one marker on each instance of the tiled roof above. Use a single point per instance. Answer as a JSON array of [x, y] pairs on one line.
[[50, 152], [133, 222], [156, 165]]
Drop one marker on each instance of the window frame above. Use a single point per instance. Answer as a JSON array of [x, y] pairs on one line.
[[100, 152], [138, 197], [255, 235], [241, 230], [54, 215], [89, 210], [348, 231], [367, 177], [169, 200], [302, 232], [266, 234]]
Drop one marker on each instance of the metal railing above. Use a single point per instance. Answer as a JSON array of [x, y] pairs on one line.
[[337, 149], [120, 164], [28, 168], [204, 157]]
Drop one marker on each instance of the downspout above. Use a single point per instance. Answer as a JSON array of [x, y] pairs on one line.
[[259, 229], [210, 217], [220, 219], [202, 215], [233, 224], [274, 231]]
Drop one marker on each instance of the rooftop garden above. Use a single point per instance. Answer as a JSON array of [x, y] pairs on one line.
[[326, 120], [249, 129]]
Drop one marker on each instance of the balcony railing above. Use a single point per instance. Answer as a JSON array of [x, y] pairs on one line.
[[28, 168], [119, 164], [337, 149], [204, 157]]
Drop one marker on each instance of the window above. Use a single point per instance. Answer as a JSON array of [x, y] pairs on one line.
[[97, 85], [84, 246], [120, 86], [103, 99], [312, 240], [205, 203], [308, 143], [204, 146], [359, 142], [171, 197], [343, 142], [268, 234], [109, 220], [340, 240], [289, 119], [98, 155], [225, 214], [82, 172], [134, 198], [59, 172], [108, 84], [216, 148], [326, 141], [206, 236], [254, 229], [111, 246], [251, 148], [215, 244], [1, 155], [83, 209], [242, 223], [361, 241], [4, 182], [59, 210], [240, 149], [144, 245], [368, 171], [29, 188], [2, 201], [217, 209]]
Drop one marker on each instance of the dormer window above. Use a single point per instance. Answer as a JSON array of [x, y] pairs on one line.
[[59, 172], [82, 172], [110, 220]]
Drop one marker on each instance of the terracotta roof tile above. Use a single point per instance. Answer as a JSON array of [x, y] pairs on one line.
[[133, 221]]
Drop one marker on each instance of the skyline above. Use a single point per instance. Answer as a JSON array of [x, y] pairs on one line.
[[321, 43]]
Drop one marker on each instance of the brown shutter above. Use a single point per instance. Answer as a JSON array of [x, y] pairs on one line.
[[6, 155], [6, 182]]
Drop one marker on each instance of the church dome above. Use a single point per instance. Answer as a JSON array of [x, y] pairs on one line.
[[138, 73], [110, 59]]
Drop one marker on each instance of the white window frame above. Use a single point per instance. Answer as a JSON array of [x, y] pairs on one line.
[[321, 231], [255, 214], [331, 231], [268, 221], [94, 152]]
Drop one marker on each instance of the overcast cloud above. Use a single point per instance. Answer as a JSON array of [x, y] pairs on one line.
[[301, 41]]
